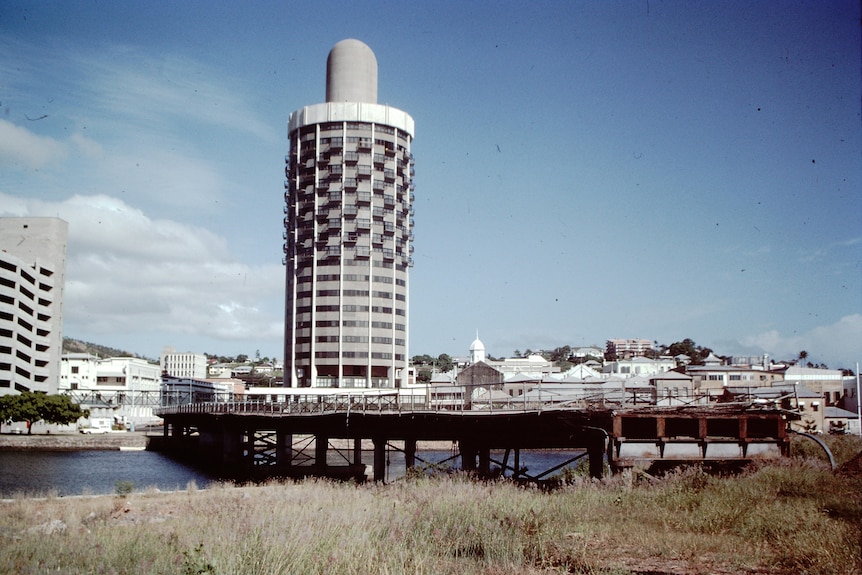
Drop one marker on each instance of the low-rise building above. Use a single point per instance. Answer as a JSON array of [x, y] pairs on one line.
[[673, 388], [125, 388], [627, 348], [711, 380], [534, 365], [185, 364], [829, 383], [183, 390], [638, 366]]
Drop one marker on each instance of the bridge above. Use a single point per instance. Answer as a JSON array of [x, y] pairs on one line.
[[295, 435]]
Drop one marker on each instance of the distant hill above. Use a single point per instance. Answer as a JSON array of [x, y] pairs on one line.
[[77, 346]]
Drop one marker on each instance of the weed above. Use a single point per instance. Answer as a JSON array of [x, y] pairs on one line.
[[123, 487], [194, 562], [779, 517]]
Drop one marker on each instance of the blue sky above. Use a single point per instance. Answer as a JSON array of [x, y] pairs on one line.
[[584, 170]]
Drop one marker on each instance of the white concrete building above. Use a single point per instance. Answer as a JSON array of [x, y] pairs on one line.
[[348, 232], [219, 370], [581, 352], [533, 365], [639, 366], [126, 388], [627, 348], [186, 364], [32, 282]]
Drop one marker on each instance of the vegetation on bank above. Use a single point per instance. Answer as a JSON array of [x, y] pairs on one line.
[[793, 516], [32, 407]]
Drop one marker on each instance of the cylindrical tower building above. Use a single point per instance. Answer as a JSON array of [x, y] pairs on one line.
[[348, 232]]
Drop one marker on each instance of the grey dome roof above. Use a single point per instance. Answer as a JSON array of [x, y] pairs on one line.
[[351, 73]]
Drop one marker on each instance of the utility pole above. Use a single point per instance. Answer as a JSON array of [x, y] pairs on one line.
[[858, 401]]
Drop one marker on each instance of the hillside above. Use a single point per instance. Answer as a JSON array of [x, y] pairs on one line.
[[77, 346]]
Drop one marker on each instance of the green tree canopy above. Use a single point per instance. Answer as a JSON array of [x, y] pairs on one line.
[[32, 407], [689, 348], [445, 362]]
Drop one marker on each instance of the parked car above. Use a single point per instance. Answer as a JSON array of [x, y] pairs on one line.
[[98, 425]]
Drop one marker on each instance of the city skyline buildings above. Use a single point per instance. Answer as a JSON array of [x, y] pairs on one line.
[[348, 232]]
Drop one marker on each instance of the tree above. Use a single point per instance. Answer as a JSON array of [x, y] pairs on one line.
[[423, 375], [60, 410], [426, 359], [445, 363], [31, 407], [803, 355], [689, 348]]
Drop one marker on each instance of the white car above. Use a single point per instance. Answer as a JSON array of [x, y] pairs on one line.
[[95, 430]]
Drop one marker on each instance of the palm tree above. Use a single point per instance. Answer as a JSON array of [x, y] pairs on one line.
[[803, 355]]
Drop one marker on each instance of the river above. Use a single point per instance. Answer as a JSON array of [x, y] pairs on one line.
[[64, 473], [100, 472]]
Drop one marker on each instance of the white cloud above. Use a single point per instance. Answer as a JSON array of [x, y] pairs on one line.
[[127, 272], [19, 147], [839, 345]]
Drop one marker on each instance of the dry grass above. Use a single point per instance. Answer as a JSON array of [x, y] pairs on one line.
[[792, 517]]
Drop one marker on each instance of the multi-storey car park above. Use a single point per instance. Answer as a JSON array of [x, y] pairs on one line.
[[32, 272]]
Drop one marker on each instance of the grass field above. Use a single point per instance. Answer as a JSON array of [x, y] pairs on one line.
[[794, 516]]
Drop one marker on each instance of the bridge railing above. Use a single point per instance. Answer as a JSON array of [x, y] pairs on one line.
[[358, 403]]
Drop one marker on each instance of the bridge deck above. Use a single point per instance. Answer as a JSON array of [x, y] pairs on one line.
[[238, 431]]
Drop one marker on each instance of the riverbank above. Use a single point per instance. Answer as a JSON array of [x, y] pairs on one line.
[[73, 441], [775, 519]]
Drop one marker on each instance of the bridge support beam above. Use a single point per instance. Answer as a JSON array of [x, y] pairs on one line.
[[596, 453], [321, 444], [468, 455], [484, 462], [379, 459], [516, 463], [357, 451], [409, 453], [283, 450]]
